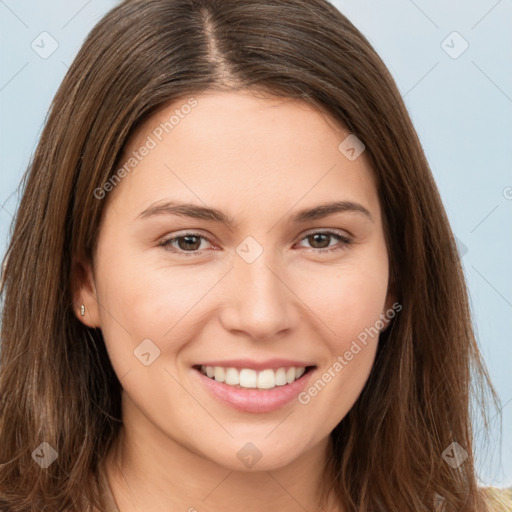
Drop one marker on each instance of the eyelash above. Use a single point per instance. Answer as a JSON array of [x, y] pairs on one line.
[[166, 244]]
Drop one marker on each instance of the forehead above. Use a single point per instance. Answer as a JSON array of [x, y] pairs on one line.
[[242, 117], [247, 148]]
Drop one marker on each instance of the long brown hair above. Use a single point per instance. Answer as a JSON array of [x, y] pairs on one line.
[[57, 384]]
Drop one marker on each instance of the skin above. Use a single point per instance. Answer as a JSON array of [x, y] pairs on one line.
[[260, 160]]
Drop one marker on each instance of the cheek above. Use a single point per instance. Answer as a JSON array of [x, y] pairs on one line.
[[348, 298], [157, 300], [350, 304], [350, 344]]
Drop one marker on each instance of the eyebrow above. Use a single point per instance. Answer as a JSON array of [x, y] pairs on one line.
[[213, 214]]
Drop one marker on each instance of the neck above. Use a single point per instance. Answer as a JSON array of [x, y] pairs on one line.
[[147, 470]]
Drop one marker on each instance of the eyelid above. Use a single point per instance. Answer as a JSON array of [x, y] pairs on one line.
[[331, 231]]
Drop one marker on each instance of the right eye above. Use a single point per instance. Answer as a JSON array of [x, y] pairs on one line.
[[187, 244]]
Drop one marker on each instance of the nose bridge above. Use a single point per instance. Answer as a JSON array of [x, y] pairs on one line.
[[259, 297]]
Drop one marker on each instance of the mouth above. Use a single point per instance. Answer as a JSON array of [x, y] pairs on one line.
[[253, 387], [249, 378]]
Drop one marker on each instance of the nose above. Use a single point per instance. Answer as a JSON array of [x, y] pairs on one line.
[[260, 302]]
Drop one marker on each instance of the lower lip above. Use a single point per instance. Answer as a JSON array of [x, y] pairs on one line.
[[254, 400]]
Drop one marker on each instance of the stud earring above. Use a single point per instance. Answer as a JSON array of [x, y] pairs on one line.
[[82, 310]]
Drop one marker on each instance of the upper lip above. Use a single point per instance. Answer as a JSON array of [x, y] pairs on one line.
[[257, 365]]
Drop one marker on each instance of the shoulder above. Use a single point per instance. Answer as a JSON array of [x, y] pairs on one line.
[[498, 500]]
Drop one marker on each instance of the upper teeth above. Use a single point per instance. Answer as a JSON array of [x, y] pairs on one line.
[[248, 378]]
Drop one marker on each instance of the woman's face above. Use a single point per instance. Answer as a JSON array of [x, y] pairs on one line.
[[218, 253]]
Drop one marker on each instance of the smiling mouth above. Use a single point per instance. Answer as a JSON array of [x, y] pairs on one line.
[[247, 378]]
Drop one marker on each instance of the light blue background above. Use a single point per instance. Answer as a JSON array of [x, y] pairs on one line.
[[461, 108]]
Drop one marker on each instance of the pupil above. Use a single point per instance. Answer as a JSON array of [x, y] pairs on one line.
[[189, 241], [315, 236]]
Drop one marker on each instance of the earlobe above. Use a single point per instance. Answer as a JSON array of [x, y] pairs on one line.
[[389, 311], [85, 301]]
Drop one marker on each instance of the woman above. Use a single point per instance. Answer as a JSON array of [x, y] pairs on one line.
[[173, 336]]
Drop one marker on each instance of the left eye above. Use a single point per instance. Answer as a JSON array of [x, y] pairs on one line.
[[319, 237], [189, 244]]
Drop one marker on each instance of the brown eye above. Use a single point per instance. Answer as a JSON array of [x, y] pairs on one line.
[[187, 243], [320, 241]]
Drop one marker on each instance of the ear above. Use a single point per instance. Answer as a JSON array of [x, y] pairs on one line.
[[389, 305], [390, 298], [84, 292]]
